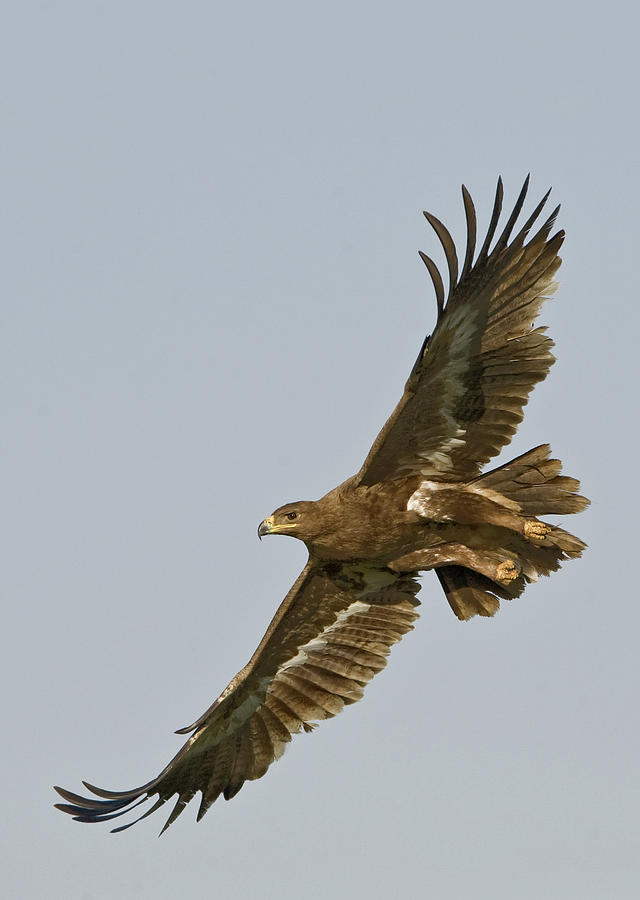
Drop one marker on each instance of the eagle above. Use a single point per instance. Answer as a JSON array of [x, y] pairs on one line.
[[420, 501]]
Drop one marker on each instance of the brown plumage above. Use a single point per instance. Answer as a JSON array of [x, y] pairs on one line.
[[419, 502]]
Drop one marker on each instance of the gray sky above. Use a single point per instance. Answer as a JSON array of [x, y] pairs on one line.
[[211, 300]]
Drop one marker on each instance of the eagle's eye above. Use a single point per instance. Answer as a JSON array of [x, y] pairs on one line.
[[292, 515]]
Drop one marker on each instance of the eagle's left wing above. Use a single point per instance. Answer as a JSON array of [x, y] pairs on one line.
[[330, 636], [465, 395]]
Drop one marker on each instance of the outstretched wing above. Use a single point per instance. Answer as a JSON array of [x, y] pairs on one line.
[[330, 636], [465, 396]]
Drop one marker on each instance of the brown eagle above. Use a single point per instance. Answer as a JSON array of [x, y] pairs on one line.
[[419, 502]]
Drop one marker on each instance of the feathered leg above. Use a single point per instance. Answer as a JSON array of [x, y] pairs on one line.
[[491, 562], [500, 566]]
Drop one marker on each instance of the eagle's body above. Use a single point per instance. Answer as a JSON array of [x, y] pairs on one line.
[[361, 522], [420, 501], [413, 524], [376, 524]]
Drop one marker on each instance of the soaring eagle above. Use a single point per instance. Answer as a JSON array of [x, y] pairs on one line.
[[420, 501]]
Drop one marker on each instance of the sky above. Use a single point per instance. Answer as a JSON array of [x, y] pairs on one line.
[[211, 299]]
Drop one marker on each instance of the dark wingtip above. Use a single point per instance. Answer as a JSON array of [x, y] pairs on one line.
[[493, 224], [112, 795], [122, 828], [448, 245], [503, 240], [186, 730], [65, 808], [554, 215], [436, 278], [470, 216]]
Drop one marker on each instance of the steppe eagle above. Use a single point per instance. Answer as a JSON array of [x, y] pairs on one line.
[[420, 501]]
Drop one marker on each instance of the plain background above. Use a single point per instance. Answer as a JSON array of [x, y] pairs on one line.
[[211, 299]]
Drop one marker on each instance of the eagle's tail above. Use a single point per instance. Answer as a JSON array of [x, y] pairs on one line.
[[469, 593], [530, 485]]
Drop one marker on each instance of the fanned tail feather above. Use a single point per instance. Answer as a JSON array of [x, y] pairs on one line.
[[469, 593], [530, 485]]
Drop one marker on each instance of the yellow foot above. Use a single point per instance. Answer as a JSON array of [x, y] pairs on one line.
[[536, 531], [507, 572]]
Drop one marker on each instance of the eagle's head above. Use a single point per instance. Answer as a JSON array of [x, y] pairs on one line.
[[302, 520]]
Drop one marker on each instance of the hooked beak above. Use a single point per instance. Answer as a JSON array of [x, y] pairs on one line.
[[265, 527]]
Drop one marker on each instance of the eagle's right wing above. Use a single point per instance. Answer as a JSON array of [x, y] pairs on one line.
[[330, 636]]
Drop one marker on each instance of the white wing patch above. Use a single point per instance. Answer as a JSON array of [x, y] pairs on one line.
[[241, 714], [364, 581], [424, 500], [440, 459], [245, 710], [320, 642], [368, 579], [462, 329], [462, 322]]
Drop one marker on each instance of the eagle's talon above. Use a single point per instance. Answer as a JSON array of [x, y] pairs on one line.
[[536, 531], [507, 572]]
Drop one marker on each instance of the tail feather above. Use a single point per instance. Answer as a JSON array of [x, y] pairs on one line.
[[530, 485], [543, 559], [469, 593], [571, 545], [533, 485]]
